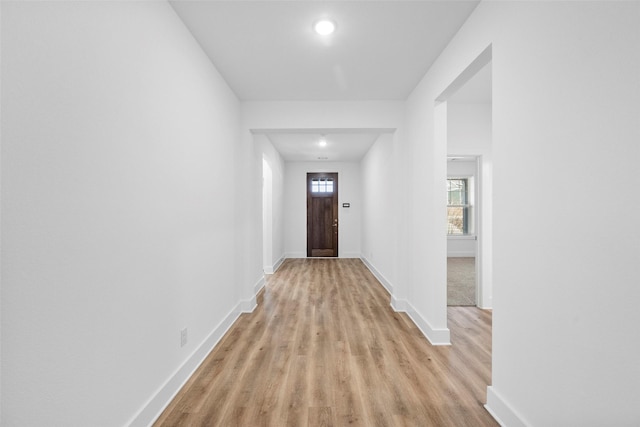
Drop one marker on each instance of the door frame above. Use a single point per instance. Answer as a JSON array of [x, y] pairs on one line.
[[477, 220]]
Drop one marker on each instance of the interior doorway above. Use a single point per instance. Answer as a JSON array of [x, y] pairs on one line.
[[463, 119], [463, 202], [322, 215], [267, 219]]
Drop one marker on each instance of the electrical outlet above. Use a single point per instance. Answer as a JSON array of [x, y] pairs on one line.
[[183, 337]]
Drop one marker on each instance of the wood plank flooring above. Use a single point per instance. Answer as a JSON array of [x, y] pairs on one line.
[[324, 348]]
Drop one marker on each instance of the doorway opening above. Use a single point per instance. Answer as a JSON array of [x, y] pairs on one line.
[[463, 115], [267, 219], [463, 197], [322, 214]]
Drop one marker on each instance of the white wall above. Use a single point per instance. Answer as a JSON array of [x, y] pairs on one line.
[[295, 206], [565, 108], [118, 141], [276, 203], [468, 129], [380, 205], [322, 114]]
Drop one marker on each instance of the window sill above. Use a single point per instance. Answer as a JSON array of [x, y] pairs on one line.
[[461, 236]]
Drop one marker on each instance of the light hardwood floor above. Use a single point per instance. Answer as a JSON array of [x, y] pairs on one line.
[[324, 348]]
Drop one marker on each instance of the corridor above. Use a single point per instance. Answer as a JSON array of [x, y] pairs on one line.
[[325, 348]]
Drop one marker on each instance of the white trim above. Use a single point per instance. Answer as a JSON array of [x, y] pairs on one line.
[[383, 280], [278, 263], [295, 255], [461, 254], [268, 269], [486, 303], [350, 255], [161, 399], [399, 305], [258, 286], [501, 411], [343, 255], [248, 305], [434, 336], [462, 237]]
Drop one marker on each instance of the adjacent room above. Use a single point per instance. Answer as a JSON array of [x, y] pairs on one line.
[[469, 191]]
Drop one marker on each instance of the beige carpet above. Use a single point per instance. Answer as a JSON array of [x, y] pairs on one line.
[[461, 281]]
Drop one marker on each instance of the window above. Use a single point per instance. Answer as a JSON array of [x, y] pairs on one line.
[[322, 185], [459, 207]]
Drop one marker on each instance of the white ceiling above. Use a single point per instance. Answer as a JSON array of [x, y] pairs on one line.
[[266, 50], [342, 146]]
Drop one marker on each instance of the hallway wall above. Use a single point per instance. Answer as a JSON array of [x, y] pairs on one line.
[[117, 219], [277, 164], [468, 128], [381, 210], [565, 132]]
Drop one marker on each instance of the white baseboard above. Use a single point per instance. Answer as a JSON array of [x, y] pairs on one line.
[[461, 254], [258, 286], [383, 280], [434, 336], [278, 263], [501, 411], [270, 269], [161, 399], [487, 304], [350, 255], [399, 305], [295, 255], [248, 305], [304, 255]]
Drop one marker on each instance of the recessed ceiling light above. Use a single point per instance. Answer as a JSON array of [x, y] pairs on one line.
[[324, 27], [322, 142]]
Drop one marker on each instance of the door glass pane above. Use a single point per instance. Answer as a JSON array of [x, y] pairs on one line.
[[329, 186], [322, 185]]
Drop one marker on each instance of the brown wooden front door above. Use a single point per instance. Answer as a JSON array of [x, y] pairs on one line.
[[322, 214]]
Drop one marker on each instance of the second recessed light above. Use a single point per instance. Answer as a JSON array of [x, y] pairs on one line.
[[324, 27]]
